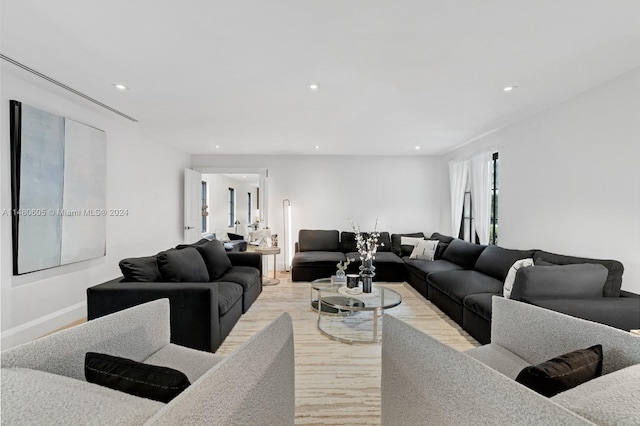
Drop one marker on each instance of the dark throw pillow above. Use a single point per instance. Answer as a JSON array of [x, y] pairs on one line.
[[215, 258], [439, 249], [563, 372], [135, 378], [185, 265], [141, 269], [196, 244], [580, 280]]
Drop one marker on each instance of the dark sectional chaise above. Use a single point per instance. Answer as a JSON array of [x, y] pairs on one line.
[[208, 289], [464, 276]]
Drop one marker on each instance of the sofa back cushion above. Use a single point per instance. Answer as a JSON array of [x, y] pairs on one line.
[[215, 258], [403, 250], [348, 242], [442, 238], [318, 240], [580, 280], [185, 265], [495, 261], [614, 276], [140, 269], [463, 253]]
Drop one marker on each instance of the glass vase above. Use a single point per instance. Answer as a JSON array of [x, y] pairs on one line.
[[367, 272]]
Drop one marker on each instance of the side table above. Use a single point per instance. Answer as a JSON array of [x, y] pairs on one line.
[[267, 251]]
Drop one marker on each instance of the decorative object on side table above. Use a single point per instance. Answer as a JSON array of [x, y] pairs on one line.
[[367, 247]]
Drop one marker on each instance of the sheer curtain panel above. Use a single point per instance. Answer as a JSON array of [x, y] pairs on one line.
[[481, 194], [458, 175]]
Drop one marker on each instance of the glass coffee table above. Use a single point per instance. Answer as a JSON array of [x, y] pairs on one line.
[[352, 318]]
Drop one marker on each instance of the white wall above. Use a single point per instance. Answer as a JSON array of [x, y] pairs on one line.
[[569, 177], [218, 187], [325, 191], [143, 176]]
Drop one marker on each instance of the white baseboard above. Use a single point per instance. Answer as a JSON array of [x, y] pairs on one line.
[[43, 325]]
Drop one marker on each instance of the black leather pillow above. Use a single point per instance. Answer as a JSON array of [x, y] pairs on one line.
[[348, 242], [135, 378], [185, 265], [318, 240], [215, 258], [563, 372], [384, 242], [141, 269], [440, 248], [496, 261], [463, 253], [196, 244], [574, 281]]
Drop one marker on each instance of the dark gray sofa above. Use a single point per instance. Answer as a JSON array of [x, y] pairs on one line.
[[464, 276], [203, 312]]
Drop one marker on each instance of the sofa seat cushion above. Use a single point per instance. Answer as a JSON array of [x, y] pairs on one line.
[[384, 257], [618, 312], [246, 276], [39, 398], [228, 295], [460, 284], [499, 359], [425, 267], [480, 304], [191, 362], [612, 399], [319, 258]]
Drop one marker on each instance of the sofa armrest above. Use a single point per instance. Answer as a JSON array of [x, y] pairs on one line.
[[253, 385], [426, 382], [536, 335], [246, 259], [618, 312], [134, 333], [193, 306]]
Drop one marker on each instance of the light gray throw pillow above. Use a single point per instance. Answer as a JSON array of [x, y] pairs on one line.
[[583, 280]]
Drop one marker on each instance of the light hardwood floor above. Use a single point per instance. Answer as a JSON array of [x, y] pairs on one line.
[[338, 383]]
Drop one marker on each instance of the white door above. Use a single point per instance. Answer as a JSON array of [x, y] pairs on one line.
[[192, 206]]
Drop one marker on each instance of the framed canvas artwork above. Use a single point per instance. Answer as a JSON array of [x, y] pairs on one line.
[[58, 179]]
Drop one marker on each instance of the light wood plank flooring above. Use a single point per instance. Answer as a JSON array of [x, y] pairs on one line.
[[338, 383]]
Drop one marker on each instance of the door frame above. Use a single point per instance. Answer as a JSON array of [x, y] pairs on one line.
[[264, 181]]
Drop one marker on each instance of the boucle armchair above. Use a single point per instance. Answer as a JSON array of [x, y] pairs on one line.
[[43, 381], [427, 382]]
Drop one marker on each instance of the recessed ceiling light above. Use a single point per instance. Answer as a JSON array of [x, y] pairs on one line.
[[509, 88], [120, 86], [317, 146], [313, 86], [217, 146], [417, 148]]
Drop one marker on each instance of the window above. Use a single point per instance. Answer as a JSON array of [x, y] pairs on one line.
[[493, 228], [232, 207], [249, 209], [204, 206], [467, 227]]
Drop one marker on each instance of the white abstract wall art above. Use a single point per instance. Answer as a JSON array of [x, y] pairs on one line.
[[58, 169]]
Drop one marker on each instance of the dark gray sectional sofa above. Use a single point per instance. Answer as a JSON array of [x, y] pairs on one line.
[[208, 289], [464, 276]]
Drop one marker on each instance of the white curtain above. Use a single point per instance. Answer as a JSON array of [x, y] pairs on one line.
[[480, 176], [458, 175]]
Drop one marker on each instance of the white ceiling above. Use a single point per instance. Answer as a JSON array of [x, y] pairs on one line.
[[392, 74]]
